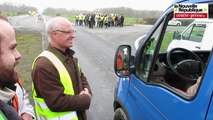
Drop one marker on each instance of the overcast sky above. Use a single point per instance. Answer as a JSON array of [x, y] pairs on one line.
[[94, 4]]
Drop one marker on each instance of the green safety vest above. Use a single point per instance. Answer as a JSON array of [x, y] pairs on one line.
[[2, 116], [41, 108]]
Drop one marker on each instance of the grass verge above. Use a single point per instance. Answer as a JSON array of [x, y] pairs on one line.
[[29, 46]]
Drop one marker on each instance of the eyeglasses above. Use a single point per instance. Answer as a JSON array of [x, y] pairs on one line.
[[66, 32]]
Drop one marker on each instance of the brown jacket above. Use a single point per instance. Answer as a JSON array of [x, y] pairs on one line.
[[48, 86]]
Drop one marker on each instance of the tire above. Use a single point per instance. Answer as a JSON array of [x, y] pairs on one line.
[[120, 115]]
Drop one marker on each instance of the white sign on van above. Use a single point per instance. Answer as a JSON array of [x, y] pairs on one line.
[[190, 11]]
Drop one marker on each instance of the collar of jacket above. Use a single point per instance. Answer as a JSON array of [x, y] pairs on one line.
[[61, 55], [6, 94]]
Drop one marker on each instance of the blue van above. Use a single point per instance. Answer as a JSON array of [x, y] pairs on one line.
[[157, 83]]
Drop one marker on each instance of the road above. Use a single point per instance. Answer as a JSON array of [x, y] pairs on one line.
[[95, 49]]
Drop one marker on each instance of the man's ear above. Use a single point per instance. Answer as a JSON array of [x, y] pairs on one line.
[[53, 33]]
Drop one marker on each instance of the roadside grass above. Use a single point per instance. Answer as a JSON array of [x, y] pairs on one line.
[[167, 40], [29, 46], [133, 20]]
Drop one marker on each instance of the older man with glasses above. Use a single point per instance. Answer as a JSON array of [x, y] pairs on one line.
[[60, 89]]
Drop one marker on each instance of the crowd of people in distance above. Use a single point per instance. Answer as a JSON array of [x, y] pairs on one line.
[[99, 20]]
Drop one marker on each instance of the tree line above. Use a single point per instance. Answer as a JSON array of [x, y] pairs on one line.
[[11, 9], [127, 12]]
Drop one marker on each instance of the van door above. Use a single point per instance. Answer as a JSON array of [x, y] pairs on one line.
[[210, 111], [155, 91]]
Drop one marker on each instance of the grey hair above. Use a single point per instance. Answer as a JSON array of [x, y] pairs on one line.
[[54, 24], [51, 26]]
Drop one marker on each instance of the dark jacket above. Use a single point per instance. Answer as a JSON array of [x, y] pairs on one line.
[[8, 111], [48, 86]]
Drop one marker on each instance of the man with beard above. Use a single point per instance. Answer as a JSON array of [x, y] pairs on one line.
[[10, 91]]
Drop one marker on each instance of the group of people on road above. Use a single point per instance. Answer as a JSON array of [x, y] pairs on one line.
[[59, 88], [98, 20]]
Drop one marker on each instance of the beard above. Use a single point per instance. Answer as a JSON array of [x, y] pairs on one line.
[[8, 76]]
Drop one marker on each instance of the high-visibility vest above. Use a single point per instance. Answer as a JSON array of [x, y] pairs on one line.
[[15, 100], [42, 110], [106, 19], [2, 116]]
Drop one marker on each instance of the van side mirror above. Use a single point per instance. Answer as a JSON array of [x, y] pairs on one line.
[[176, 35], [122, 61]]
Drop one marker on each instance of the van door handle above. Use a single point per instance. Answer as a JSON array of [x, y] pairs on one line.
[[198, 47]]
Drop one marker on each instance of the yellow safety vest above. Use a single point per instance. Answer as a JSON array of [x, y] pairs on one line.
[[2, 116], [42, 110]]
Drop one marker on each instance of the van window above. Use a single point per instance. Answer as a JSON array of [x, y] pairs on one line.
[[172, 32], [148, 54], [194, 33]]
